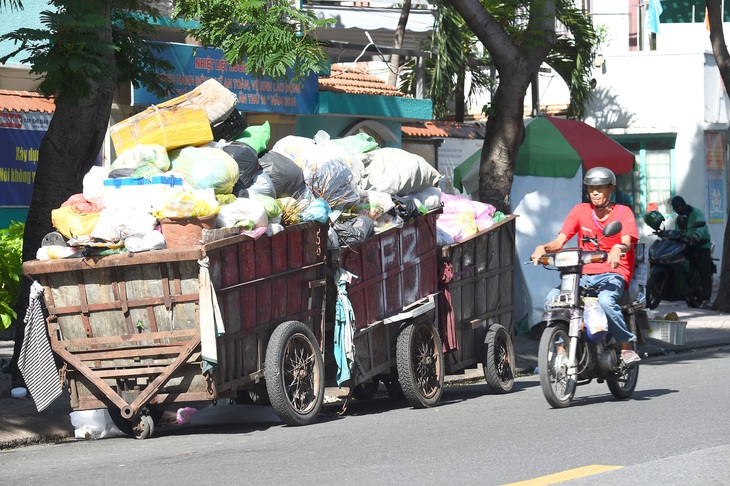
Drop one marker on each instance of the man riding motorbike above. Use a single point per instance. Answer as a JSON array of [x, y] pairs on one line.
[[612, 277], [699, 253]]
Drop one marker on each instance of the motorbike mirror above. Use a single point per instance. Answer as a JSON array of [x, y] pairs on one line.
[[612, 228]]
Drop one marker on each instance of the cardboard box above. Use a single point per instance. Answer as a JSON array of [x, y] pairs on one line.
[[170, 126], [671, 332]]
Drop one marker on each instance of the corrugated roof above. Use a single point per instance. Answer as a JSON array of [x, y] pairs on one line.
[[356, 81], [443, 129], [25, 102]]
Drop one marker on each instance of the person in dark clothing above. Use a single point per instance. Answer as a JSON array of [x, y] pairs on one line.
[[699, 251]]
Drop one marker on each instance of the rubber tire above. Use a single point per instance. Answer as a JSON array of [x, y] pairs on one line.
[[144, 428], [499, 360], [624, 387], [549, 336], [420, 363], [366, 391], [654, 288], [289, 338]]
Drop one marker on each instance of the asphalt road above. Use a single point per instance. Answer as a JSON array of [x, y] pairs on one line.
[[675, 430]]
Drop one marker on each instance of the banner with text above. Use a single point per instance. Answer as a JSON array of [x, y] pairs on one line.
[[20, 140], [195, 65]]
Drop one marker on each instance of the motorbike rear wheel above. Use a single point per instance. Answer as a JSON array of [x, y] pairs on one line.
[[557, 386], [623, 386], [654, 290]]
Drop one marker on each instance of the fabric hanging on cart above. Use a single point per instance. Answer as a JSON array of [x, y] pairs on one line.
[[35, 360], [211, 320], [447, 324], [344, 345]]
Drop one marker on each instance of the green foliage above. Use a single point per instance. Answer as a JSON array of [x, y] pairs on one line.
[[11, 247], [271, 38], [87, 42], [455, 54]]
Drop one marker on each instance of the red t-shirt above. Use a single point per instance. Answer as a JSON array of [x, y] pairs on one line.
[[582, 220]]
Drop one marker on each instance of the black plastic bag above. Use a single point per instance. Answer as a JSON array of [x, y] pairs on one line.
[[286, 175], [247, 160], [354, 231]]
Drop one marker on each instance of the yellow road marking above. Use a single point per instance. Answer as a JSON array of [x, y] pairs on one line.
[[568, 475]]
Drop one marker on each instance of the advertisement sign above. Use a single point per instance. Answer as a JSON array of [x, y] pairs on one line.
[[20, 140], [715, 150], [717, 205], [194, 65]]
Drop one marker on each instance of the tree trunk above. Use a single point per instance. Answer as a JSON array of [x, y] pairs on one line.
[[722, 58], [459, 96], [398, 43], [67, 152], [516, 66]]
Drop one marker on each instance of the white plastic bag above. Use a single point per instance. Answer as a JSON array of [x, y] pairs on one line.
[[594, 318], [94, 184], [242, 210]]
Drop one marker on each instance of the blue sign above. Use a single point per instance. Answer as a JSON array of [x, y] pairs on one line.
[[20, 141], [195, 65]]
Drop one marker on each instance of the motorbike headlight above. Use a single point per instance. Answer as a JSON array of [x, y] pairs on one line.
[[567, 258]]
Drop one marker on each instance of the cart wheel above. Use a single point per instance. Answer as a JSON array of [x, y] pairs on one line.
[[499, 359], [420, 363], [144, 427], [366, 391], [294, 373]]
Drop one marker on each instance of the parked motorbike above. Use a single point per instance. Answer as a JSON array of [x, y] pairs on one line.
[[569, 353], [672, 275]]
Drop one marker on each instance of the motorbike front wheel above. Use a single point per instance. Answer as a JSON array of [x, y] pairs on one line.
[[557, 385], [654, 289]]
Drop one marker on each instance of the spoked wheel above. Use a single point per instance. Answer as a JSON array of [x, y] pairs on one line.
[[366, 391], [654, 289], [499, 359], [623, 386], [294, 374], [420, 363], [553, 353]]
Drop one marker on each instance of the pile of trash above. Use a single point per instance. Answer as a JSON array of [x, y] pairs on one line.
[[193, 161]]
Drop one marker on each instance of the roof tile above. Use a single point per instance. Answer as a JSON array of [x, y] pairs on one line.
[[356, 81], [25, 102]]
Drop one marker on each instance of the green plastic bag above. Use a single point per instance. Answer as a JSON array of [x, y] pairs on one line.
[[256, 137]]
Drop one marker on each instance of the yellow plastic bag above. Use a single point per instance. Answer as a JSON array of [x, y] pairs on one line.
[[72, 224]]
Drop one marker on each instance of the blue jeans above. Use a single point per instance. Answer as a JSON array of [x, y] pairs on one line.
[[610, 287]]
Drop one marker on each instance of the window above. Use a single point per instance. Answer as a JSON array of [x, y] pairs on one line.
[[649, 186]]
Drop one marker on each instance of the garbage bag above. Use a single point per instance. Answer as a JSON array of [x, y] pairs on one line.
[[354, 231], [247, 160], [286, 176], [206, 168]]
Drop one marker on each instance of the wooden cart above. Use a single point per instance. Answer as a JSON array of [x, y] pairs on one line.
[[482, 303], [128, 326], [394, 299]]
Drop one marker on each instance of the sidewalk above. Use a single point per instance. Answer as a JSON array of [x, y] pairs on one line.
[[21, 424]]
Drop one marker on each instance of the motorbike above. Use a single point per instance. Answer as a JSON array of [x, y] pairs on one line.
[[569, 354], [672, 275]]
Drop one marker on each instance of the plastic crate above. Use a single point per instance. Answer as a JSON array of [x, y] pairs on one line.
[[229, 128], [671, 332]]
